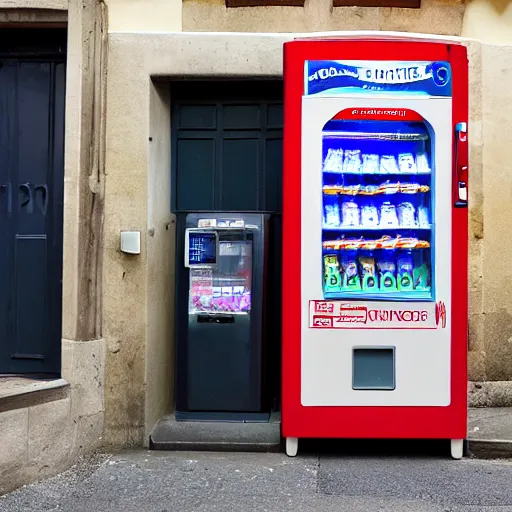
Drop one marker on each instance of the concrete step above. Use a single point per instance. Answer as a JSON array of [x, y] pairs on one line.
[[170, 434], [490, 432]]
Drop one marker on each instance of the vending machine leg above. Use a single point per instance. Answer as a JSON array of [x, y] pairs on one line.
[[457, 448], [292, 446]]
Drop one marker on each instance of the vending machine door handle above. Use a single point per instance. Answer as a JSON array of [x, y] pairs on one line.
[[460, 186]]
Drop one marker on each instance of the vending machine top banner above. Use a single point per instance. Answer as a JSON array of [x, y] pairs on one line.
[[349, 77]]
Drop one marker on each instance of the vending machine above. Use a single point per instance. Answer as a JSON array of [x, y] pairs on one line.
[[375, 229], [220, 316]]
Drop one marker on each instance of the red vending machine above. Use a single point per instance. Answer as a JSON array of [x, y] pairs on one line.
[[375, 239]]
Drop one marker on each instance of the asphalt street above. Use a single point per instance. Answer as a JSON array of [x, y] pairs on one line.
[[351, 480]]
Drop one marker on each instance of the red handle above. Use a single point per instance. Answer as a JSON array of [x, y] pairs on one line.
[[461, 166]]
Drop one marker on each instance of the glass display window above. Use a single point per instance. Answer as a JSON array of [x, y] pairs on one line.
[[225, 287], [378, 210]]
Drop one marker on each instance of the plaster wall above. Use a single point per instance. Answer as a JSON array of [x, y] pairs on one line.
[[161, 263], [138, 290], [36, 5], [144, 15], [488, 20]]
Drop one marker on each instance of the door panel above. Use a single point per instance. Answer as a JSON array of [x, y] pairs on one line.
[[31, 160], [227, 154], [273, 181], [6, 130], [29, 295], [333, 386], [29, 298], [240, 172], [196, 167]]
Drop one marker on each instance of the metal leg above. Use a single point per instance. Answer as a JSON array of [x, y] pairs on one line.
[[457, 448], [292, 445]]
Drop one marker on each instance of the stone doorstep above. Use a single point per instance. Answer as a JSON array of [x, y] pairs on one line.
[[170, 434], [489, 434], [20, 392]]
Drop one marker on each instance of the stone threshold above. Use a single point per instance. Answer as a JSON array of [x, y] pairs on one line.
[[170, 434], [490, 448], [21, 392], [490, 394]]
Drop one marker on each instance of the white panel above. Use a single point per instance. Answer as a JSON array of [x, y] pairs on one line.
[[422, 355], [130, 242]]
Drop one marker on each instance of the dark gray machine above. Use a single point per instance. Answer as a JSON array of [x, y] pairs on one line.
[[220, 314]]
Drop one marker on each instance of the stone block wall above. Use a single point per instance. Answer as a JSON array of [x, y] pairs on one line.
[[46, 426], [434, 16]]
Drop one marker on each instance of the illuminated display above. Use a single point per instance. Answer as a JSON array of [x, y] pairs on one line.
[[202, 248], [377, 227]]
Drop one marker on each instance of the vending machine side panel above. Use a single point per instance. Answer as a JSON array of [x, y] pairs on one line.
[[291, 292], [459, 313]]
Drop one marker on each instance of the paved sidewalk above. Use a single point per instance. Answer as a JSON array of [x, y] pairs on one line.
[[425, 480], [326, 476], [490, 432]]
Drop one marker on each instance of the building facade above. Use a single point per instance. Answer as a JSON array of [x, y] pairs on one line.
[[126, 62]]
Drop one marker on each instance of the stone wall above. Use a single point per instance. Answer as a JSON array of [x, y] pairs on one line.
[[46, 426], [488, 21], [434, 16], [490, 265], [496, 263]]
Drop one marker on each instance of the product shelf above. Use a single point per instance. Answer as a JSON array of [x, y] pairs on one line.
[[385, 242], [364, 248], [375, 228], [365, 174], [389, 136], [340, 190], [411, 295]]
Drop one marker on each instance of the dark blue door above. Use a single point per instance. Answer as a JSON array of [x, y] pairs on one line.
[[227, 156], [32, 85]]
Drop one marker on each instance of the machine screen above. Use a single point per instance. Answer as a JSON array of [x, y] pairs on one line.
[[202, 248]]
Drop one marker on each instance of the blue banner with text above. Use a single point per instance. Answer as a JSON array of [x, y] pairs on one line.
[[406, 77]]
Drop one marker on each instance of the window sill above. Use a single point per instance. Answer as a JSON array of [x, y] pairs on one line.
[[403, 4], [265, 3], [21, 392]]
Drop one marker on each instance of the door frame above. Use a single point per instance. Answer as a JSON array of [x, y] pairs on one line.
[[227, 92]]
